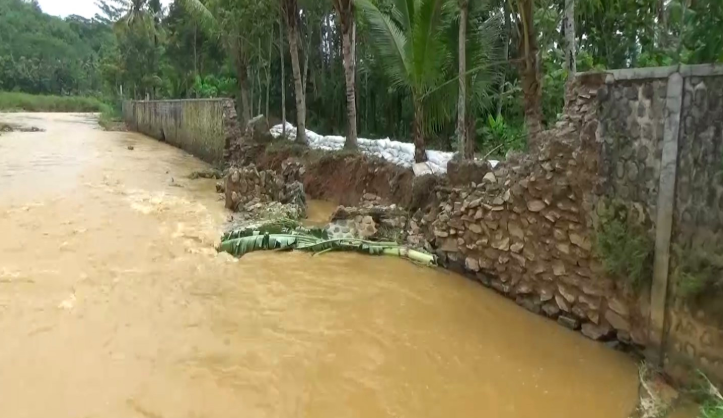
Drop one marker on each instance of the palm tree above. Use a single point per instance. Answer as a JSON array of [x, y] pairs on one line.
[[345, 10], [415, 55], [466, 149], [529, 71], [416, 47]]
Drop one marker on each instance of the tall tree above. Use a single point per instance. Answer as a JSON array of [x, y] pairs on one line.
[[530, 69], [290, 9], [283, 77], [230, 20], [415, 56], [570, 50], [345, 10], [466, 147]]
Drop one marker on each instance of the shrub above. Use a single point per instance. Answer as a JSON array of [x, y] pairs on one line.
[[699, 278], [496, 137], [624, 246]]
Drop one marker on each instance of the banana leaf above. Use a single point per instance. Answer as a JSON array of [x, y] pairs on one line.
[[241, 246], [310, 243]]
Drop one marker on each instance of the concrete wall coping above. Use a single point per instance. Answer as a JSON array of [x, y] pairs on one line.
[[698, 70], [218, 99]]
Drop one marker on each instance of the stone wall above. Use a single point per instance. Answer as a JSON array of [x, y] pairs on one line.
[[204, 128], [695, 331], [527, 228], [661, 135]]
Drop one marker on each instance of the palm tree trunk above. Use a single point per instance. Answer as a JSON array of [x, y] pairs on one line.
[[420, 151], [268, 78], [570, 57], [283, 79], [530, 73], [348, 36], [462, 100], [506, 55], [292, 15]]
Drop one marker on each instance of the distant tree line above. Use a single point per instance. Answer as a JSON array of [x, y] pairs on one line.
[[471, 75]]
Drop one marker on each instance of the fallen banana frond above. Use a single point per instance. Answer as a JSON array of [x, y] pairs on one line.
[[241, 243]]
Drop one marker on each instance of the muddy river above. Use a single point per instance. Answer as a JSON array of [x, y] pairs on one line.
[[113, 303]]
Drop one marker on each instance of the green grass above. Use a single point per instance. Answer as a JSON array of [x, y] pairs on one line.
[[23, 102], [711, 405], [624, 247]]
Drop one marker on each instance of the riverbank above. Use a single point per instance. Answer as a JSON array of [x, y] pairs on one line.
[[108, 257]]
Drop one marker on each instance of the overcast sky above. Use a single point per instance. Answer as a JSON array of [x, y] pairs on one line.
[[85, 8]]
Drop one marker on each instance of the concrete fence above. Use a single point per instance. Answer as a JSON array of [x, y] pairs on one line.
[[201, 127], [661, 137]]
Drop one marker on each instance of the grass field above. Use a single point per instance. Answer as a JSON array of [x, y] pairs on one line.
[[23, 102]]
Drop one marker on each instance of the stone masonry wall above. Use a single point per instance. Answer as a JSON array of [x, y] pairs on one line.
[[631, 133], [527, 228], [695, 333]]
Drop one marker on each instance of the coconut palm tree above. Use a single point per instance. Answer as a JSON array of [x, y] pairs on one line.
[[415, 54], [416, 46]]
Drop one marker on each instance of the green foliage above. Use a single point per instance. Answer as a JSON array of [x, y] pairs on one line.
[[709, 397], [699, 271], [699, 277], [212, 86], [624, 246], [197, 48], [41, 54], [497, 137], [18, 102], [305, 241]]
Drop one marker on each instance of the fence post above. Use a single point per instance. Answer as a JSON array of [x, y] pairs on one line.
[[664, 216]]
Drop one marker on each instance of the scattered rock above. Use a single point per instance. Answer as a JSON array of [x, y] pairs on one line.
[[617, 321], [471, 264], [490, 178], [131, 147], [568, 322], [595, 332], [618, 306], [536, 205], [580, 241], [550, 310], [502, 244]]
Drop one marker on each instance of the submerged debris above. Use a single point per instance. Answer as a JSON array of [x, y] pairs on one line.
[[209, 173], [4, 127], [287, 235], [656, 397]]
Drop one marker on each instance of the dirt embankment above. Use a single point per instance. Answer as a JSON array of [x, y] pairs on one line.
[[344, 177]]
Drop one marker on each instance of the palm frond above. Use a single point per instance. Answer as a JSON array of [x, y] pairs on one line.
[[484, 53], [201, 13], [403, 12], [392, 44], [440, 106], [431, 57]]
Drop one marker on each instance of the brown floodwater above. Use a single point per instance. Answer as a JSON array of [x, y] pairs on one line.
[[113, 303], [318, 212]]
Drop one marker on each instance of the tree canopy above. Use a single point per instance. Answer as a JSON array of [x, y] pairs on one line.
[[401, 58]]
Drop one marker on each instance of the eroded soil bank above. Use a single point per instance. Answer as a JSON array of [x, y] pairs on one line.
[[114, 303]]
